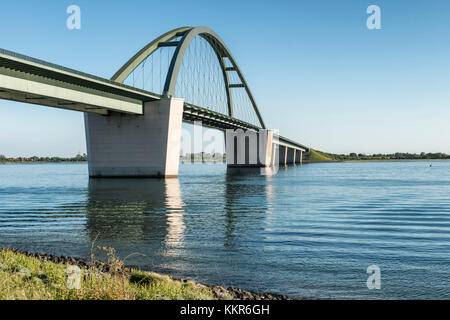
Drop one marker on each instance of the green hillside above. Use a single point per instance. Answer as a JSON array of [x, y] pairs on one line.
[[318, 156]]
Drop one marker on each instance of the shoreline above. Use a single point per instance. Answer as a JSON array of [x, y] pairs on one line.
[[219, 161], [397, 160], [375, 160], [218, 292], [41, 162]]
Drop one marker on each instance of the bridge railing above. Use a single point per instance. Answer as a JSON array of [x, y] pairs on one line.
[[73, 71]]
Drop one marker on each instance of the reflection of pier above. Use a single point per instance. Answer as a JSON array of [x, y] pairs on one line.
[[175, 213], [135, 210], [247, 204], [150, 217]]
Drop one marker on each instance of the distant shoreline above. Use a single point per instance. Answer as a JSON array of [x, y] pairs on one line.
[[320, 156], [40, 162], [221, 161], [375, 160], [49, 162], [394, 160]]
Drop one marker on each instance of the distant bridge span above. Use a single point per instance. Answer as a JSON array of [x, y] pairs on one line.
[[135, 131]]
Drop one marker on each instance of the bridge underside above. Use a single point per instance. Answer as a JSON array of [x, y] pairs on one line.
[[7, 94]]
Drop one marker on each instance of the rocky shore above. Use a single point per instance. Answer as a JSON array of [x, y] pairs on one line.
[[218, 291]]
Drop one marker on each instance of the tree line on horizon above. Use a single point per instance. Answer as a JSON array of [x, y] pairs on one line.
[[217, 156], [78, 158], [390, 156]]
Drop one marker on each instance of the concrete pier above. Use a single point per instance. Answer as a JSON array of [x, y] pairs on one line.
[[290, 156], [125, 145], [299, 156], [283, 155]]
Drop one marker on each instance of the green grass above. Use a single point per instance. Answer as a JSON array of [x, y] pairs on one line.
[[29, 278], [317, 156]]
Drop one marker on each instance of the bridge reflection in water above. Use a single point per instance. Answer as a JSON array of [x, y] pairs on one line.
[[165, 222], [131, 209], [307, 231], [245, 203]]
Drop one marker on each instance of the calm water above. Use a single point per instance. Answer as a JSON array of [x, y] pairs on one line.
[[310, 230]]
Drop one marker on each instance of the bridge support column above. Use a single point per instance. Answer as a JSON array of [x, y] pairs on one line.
[[298, 156], [290, 157], [124, 145], [283, 154]]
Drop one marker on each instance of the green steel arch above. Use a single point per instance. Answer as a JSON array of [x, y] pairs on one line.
[[188, 34]]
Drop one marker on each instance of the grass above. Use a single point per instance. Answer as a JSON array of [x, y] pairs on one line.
[[30, 278], [318, 156]]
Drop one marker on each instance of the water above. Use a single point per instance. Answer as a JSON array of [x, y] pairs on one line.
[[308, 231]]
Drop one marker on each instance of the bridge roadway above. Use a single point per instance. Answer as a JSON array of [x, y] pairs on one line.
[[31, 80]]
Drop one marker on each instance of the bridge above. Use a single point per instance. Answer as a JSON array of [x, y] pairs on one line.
[[133, 120]]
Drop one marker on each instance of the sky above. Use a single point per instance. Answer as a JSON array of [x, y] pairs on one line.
[[317, 73]]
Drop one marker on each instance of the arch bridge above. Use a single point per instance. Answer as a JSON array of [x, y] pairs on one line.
[[133, 120]]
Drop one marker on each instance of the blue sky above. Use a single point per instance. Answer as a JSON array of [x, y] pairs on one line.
[[317, 73]]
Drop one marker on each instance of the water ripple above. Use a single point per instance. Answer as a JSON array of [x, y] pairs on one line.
[[310, 230]]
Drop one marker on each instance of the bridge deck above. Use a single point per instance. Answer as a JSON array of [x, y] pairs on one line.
[[30, 80]]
